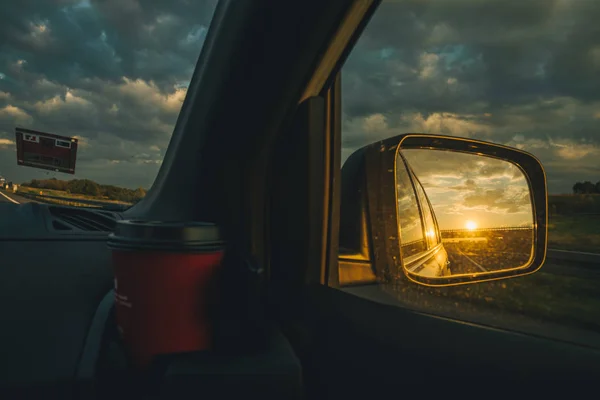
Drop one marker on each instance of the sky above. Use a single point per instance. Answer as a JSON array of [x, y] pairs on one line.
[[472, 191], [114, 73], [521, 73]]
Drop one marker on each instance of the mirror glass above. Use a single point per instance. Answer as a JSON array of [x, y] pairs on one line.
[[462, 213]]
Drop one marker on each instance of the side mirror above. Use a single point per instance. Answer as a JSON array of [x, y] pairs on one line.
[[441, 210]]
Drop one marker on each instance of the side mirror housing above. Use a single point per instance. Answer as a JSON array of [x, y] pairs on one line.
[[441, 210]]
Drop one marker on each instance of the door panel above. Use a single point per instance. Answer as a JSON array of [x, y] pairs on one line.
[[358, 342]]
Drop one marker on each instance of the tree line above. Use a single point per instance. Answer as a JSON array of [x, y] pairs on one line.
[[586, 187], [89, 188]]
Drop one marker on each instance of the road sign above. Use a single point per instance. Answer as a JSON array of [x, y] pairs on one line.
[[46, 150]]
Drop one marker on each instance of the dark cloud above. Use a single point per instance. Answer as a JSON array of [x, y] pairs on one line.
[[467, 185], [466, 168], [523, 73], [66, 41], [113, 73], [499, 200], [463, 187]]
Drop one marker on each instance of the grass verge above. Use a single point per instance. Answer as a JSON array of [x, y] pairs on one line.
[[568, 301], [574, 232], [58, 193]]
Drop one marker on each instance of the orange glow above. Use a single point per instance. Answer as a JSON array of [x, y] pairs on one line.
[[471, 225]]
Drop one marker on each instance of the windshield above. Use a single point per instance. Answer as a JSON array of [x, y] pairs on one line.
[[89, 95]]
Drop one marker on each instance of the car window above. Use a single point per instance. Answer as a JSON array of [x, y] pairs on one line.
[[409, 217], [521, 74], [105, 78]]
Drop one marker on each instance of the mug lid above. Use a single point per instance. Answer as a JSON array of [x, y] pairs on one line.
[[164, 234]]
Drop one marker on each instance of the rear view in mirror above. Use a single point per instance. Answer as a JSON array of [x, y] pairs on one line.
[[462, 214], [440, 210]]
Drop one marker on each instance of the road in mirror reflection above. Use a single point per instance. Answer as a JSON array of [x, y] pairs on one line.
[[463, 214]]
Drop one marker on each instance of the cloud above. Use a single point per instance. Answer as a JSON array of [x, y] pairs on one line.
[[468, 186], [499, 201], [113, 73], [576, 151], [492, 70], [16, 113], [4, 143]]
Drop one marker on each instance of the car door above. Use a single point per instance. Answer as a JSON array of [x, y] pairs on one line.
[[377, 338], [258, 149]]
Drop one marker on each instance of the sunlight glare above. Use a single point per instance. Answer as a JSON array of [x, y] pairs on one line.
[[471, 225]]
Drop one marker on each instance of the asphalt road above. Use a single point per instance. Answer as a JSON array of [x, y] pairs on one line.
[[9, 197], [465, 262]]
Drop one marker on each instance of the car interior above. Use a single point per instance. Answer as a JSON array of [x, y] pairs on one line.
[[257, 150]]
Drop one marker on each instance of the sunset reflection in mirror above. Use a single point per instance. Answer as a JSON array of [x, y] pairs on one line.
[[480, 208]]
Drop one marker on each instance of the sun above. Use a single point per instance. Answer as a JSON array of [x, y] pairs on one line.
[[471, 225]]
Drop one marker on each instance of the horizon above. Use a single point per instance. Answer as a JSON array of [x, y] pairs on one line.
[[148, 188], [532, 83]]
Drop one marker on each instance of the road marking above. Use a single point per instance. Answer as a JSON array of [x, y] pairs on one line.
[[9, 199], [469, 258]]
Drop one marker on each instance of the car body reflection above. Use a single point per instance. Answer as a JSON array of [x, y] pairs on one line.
[[423, 252]]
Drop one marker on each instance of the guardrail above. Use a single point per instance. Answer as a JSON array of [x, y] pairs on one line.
[[96, 203], [481, 230]]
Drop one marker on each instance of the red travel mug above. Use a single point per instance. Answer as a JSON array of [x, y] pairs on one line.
[[164, 279]]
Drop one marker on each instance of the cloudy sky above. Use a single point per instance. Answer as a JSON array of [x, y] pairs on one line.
[[468, 190], [114, 73], [521, 73]]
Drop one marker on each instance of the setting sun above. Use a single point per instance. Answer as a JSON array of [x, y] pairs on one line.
[[471, 225]]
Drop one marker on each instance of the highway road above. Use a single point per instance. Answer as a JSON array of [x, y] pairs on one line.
[[469, 262], [9, 197]]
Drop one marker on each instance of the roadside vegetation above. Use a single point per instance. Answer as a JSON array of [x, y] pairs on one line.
[[574, 222], [83, 189], [559, 295]]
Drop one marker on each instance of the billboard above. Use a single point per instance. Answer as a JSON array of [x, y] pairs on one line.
[[46, 150]]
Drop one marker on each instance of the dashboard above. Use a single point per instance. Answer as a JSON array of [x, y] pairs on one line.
[[31, 221], [55, 271]]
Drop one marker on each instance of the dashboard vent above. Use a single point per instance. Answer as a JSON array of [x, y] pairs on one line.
[[69, 219]]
